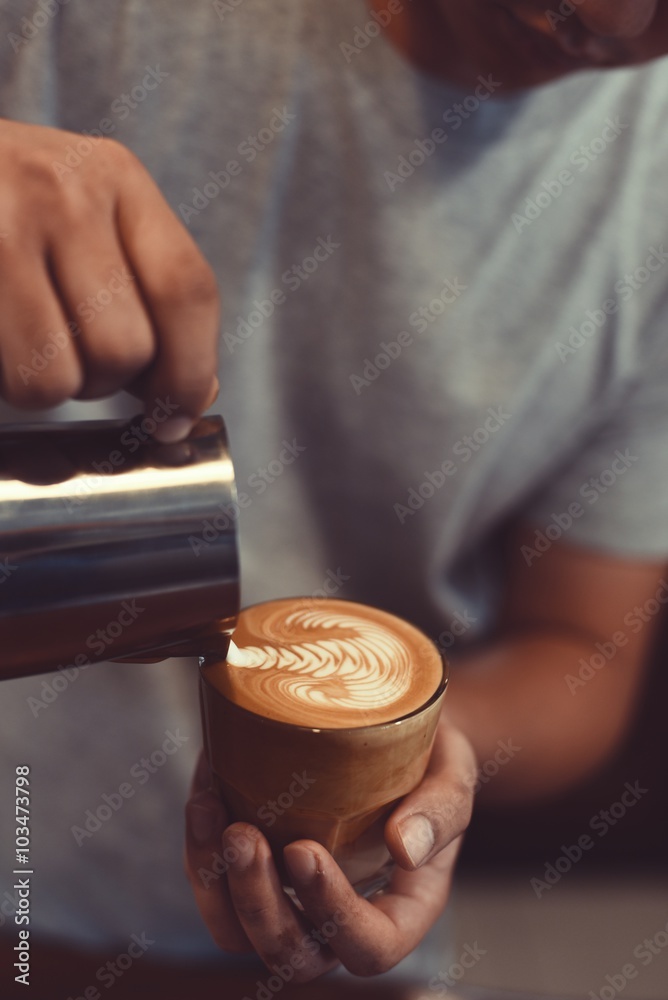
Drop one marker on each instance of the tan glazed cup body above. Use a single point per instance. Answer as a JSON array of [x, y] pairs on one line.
[[335, 786]]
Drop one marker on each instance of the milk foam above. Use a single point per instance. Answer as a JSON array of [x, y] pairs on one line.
[[371, 667], [328, 662]]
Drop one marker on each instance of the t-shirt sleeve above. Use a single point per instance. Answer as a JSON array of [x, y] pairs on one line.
[[615, 489]]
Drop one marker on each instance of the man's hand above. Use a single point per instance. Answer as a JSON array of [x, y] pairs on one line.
[[101, 286], [246, 909]]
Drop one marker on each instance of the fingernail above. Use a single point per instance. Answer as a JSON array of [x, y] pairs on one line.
[[417, 836], [302, 863], [239, 849], [215, 389], [174, 430], [203, 821]]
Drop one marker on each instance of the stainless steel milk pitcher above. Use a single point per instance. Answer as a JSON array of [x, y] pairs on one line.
[[113, 545]]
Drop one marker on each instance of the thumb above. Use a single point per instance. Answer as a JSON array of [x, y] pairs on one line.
[[438, 811]]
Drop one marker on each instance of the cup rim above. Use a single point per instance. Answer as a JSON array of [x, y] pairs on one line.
[[373, 726]]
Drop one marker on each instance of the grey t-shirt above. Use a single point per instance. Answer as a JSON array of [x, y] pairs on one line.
[[443, 310]]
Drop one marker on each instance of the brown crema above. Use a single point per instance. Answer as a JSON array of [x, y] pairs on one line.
[[325, 663]]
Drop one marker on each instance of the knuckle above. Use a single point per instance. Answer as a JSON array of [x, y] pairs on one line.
[[42, 393], [117, 360], [76, 204], [458, 809], [105, 160], [189, 278], [117, 154], [36, 167], [46, 175], [372, 964], [73, 192], [252, 913], [226, 933]]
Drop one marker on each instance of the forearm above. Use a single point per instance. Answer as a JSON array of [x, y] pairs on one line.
[[514, 700]]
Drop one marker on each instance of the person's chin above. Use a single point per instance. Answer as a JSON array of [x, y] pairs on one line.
[[500, 46], [462, 40], [522, 52], [531, 58]]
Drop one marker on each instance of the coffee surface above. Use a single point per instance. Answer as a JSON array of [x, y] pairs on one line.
[[327, 663]]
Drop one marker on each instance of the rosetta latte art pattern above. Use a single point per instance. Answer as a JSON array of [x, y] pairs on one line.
[[355, 664]]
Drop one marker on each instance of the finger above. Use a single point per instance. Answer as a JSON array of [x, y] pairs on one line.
[[138, 388], [201, 780], [39, 363], [206, 866], [100, 293], [369, 937], [213, 394], [180, 291], [279, 933], [440, 808], [36, 463]]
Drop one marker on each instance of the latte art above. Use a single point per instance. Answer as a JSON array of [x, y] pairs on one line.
[[359, 665], [328, 663]]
